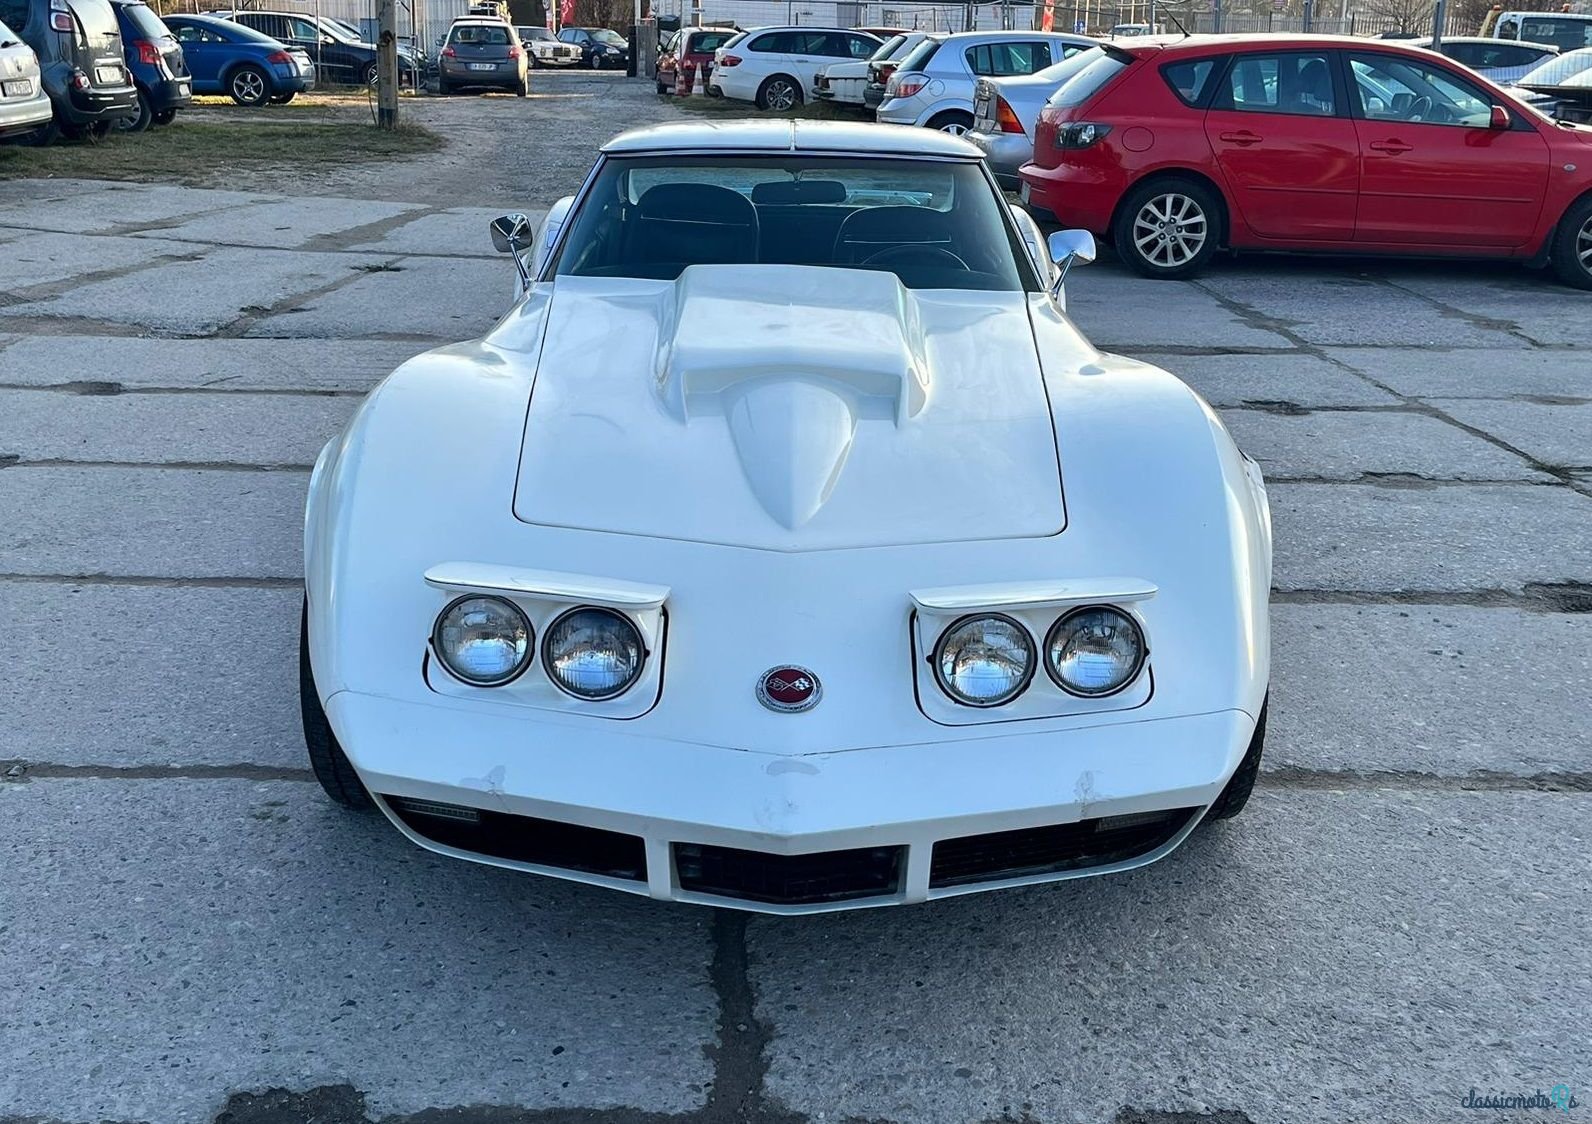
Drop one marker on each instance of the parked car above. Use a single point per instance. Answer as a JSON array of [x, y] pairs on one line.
[[689, 50], [24, 106], [412, 60], [774, 67], [543, 48], [1497, 60], [933, 86], [228, 58], [1560, 87], [79, 49], [1130, 30], [1255, 146], [778, 649], [1569, 31], [483, 53], [600, 47], [339, 57], [879, 70], [846, 83], [155, 60], [1006, 114]]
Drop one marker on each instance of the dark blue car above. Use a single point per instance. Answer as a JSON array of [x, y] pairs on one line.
[[156, 63], [228, 58]]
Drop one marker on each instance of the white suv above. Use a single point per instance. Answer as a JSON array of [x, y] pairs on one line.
[[776, 66], [934, 84]]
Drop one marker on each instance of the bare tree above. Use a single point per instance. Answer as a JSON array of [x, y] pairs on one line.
[[1403, 15]]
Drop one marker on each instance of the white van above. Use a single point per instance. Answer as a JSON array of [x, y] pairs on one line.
[[1569, 31]]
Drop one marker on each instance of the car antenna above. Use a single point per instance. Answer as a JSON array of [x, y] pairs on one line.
[[1178, 24]]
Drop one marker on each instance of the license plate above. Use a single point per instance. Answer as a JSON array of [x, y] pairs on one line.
[[483, 66], [19, 88], [1022, 193], [108, 75]]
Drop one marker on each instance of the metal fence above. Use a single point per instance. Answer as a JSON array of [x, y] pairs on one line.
[[423, 21]]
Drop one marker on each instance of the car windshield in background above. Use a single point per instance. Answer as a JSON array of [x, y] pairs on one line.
[[612, 38], [145, 20], [1089, 81], [887, 48], [481, 35], [536, 33], [936, 225], [918, 57], [1558, 70], [706, 42]]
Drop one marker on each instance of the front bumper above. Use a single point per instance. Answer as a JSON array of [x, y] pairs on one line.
[[805, 834]]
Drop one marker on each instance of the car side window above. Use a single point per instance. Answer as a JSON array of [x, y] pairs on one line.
[[775, 42], [1190, 80], [1471, 54], [1392, 88], [861, 47], [1290, 83], [1004, 60], [303, 29], [14, 14]]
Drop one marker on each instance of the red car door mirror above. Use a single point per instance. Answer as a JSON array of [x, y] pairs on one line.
[[1500, 118]]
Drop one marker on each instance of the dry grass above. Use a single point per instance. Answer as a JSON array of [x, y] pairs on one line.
[[196, 152]]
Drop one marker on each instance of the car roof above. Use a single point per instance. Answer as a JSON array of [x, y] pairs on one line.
[[1230, 44], [1425, 40], [761, 135]]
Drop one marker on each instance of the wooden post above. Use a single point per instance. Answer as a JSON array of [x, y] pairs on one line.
[[387, 65]]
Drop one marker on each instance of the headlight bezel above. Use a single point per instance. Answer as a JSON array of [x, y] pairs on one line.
[[545, 651], [1127, 681], [1017, 692], [525, 660]]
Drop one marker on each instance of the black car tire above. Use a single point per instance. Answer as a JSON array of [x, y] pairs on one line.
[[772, 94], [1571, 252], [523, 89], [662, 89], [46, 134], [372, 75], [1242, 782], [145, 118], [953, 121], [331, 765], [283, 99], [249, 85], [165, 117], [1192, 203]]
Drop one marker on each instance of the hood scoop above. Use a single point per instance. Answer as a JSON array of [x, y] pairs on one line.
[[788, 408]]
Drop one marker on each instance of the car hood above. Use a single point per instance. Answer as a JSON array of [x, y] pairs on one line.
[[789, 408]]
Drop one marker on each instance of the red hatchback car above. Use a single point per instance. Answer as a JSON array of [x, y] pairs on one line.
[[1175, 149]]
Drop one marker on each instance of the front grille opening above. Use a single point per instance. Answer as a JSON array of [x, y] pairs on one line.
[[1053, 848], [828, 876], [525, 839]]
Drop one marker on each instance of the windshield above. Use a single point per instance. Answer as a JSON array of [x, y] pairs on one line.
[[337, 29], [528, 33], [1557, 70], [918, 57], [1089, 81], [612, 38], [935, 224], [706, 42], [145, 21], [887, 48], [1567, 32], [479, 34]]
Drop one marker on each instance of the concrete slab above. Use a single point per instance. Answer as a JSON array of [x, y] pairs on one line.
[[91, 207], [152, 522], [1557, 434], [203, 296], [42, 259], [105, 675], [1440, 689], [39, 190], [1289, 377], [240, 936], [1434, 537], [459, 232], [1318, 959], [1346, 445], [1479, 373], [1115, 310], [257, 429], [435, 297], [287, 223], [241, 364]]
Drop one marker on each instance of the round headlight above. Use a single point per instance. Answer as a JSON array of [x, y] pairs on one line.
[[483, 640], [593, 653], [984, 660], [1094, 651]]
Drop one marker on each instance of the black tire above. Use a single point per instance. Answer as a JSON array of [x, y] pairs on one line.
[[1571, 253], [780, 93], [443, 89], [662, 89], [331, 765], [952, 121], [165, 117], [523, 90], [371, 75], [96, 132], [145, 118], [1158, 222], [283, 99], [249, 85], [1242, 783], [46, 134]]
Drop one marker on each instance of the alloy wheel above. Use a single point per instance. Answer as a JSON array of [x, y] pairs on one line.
[[955, 128], [248, 86], [1583, 246], [780, 96], [1170, 230]]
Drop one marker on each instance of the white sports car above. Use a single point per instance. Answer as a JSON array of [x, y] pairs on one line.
[[785, 547]]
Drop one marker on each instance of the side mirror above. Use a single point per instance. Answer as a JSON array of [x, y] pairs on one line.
[[1067, 247], [552, 227], [1500, 118], [510, 233]]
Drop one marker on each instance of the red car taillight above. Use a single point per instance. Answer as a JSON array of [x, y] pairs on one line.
[[280, 57], [148, 53], [1005, 118], [514, 52], [80, 80], [731, 60], [1080, 134], [449, 53], [908, 87]]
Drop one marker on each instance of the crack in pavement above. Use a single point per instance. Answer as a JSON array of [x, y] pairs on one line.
[[45, 290], [252, 315]]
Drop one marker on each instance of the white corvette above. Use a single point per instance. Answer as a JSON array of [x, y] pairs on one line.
[[785, 547]]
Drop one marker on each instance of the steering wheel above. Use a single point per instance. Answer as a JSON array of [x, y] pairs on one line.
[[912, 254], [1420, 107]]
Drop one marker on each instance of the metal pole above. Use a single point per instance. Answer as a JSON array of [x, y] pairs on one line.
[[1307, 14], [387, 65], [1439, 17]]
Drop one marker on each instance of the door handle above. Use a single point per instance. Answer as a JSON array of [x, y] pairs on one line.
[[1242, 138], [1391, 147]]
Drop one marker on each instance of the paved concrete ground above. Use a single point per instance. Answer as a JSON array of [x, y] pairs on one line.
[[189, 932]]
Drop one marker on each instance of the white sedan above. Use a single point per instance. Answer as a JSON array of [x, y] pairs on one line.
[[785, 547]]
